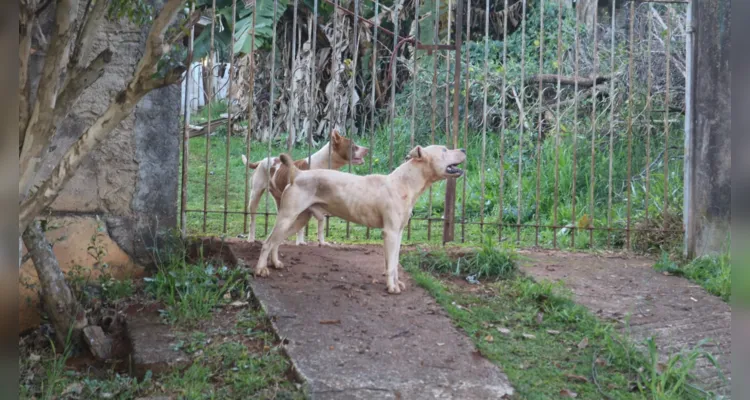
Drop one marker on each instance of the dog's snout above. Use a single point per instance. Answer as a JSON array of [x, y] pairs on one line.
[[463, 151]]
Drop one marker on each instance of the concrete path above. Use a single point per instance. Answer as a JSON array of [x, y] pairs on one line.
[[678, 312], [349, 339]]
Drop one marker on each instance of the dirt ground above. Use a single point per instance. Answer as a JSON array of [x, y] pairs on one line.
[[678, 312], [350, 339]]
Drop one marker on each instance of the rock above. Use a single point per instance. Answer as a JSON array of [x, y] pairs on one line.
[[152, 344], [98, 343]]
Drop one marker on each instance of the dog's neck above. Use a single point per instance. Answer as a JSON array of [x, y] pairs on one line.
[[411, 176], [319, 160]]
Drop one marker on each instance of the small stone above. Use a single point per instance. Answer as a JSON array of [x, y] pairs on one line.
[[553, 332], [504, 331], [528, 336], [98, 343]]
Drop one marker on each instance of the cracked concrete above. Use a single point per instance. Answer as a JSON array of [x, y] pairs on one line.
[[349, 339]]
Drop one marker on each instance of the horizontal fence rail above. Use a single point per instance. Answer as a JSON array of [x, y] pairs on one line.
[[571, 114]]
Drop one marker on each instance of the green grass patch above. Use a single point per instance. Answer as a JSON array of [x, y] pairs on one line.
[[712, 272], [547, 344]]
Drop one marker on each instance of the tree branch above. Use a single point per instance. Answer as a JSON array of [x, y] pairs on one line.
[[119, 108], [92, 21], [39, 130], [80, 79], [26, 29]]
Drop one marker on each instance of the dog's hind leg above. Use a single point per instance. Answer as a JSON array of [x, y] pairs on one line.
[[293, 203], [255, 194], [300, 222], [321, 217], [392, 244]]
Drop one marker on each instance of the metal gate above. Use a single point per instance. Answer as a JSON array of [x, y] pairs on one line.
[[572, 114]]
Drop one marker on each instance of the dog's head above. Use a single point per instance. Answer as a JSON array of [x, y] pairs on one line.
[[350, 152], [438, 162]]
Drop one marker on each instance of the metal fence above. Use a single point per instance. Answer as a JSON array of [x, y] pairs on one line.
[[572, 114]]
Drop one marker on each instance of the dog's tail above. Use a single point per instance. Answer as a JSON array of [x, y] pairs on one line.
[[287, 160], [251, 165]]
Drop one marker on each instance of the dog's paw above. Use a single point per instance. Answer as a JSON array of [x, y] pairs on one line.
[[324, 244], [401, 285], [278, 265], [394, 289], [301, 243], [261, 272]]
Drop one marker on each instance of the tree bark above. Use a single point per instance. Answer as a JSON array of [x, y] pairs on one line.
[[61, 306], [39, 130], [119, 108]]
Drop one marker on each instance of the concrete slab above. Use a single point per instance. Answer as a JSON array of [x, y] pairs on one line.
[[349, 339], [678, 312]]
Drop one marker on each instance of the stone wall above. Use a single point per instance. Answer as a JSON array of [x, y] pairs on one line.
[[126, 192], [708, 194]]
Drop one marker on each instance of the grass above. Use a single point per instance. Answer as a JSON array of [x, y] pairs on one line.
[[240, 357], [548, 346], [712, 272]]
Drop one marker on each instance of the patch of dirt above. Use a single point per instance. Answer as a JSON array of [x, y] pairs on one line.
[[678, 312], [348, 338]]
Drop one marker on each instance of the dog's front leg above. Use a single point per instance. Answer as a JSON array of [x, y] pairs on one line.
[[392, 243]]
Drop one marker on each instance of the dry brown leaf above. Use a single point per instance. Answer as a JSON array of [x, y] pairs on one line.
[[539, 317], [568, 393], [577, 378], [489, 338], [584, 343], [330, 322]]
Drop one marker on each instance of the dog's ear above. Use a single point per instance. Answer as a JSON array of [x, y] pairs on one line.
[[335, 137], [415, 154]]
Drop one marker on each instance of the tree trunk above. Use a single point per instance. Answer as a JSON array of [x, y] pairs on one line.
[[61, 306]]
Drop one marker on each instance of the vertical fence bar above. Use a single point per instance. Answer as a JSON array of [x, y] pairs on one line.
[[292, 120], [592, 178], [374, 91], [209, 98], [312, 113], [611, 124], [668, 55], [250, 111], [521, 120], [574, 197], [446, 103], [650, 81], [336, 83], [394, 78], [501, 189], [230, 124], [186, 132], [353, 91], [436, 19], [466, 117], [630, 123], [557, 122], [540, 95], [415, 80], [450, 187], [271, 108]]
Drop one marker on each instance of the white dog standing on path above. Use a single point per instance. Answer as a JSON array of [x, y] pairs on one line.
[[376, 201], [342, 151]]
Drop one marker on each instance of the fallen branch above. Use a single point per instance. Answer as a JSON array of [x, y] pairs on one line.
[[568, 80]]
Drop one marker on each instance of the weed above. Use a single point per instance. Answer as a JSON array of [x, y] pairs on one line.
[[712, 272], [541, 338], [490, 261], [191, 291]]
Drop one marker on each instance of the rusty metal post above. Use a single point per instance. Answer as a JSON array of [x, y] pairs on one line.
[[450, 187]]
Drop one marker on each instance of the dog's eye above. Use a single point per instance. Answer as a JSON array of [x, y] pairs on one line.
[[445, 149]]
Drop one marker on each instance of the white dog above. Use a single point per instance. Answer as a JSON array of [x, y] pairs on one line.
[[376, 201], [270, 171]]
